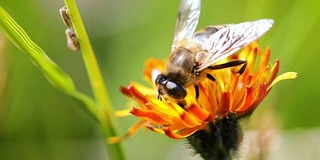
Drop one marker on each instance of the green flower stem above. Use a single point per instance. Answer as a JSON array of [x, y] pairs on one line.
[[97, 83]]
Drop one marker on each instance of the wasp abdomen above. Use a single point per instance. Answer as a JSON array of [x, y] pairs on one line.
[[207, 32]]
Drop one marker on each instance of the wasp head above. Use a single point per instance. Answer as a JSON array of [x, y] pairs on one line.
[[167, 87]]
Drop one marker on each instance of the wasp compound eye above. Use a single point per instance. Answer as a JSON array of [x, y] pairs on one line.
[[175, 91], [161, 79], [169, 88]]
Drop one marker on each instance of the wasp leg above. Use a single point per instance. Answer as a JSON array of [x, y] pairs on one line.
[[209, 76], [159, 95], [244, 66], [234, 63], [196, 88], [182, 103]]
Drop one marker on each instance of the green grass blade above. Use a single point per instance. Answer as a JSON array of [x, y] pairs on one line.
[[51, 71], [97, 83]]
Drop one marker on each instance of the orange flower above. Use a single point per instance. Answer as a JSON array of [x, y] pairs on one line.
[[232, 94]]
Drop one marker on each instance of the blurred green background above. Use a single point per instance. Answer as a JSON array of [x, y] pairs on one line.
[[38, 122]]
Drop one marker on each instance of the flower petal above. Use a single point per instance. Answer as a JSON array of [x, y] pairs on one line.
[[284, 76]]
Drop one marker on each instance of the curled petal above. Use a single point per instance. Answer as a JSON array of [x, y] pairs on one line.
[[284, 76], [131, 131]]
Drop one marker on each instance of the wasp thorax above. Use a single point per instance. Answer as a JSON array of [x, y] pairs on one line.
[[180, 66]]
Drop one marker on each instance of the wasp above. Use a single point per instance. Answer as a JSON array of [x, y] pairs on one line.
[[72, 40], [194, 53]]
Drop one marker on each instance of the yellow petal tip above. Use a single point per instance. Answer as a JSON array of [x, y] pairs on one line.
[[284, 76], [122, 113]]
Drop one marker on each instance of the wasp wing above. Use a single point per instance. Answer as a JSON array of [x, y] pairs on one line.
[[187, 20], [231, 38], [203, 35]]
